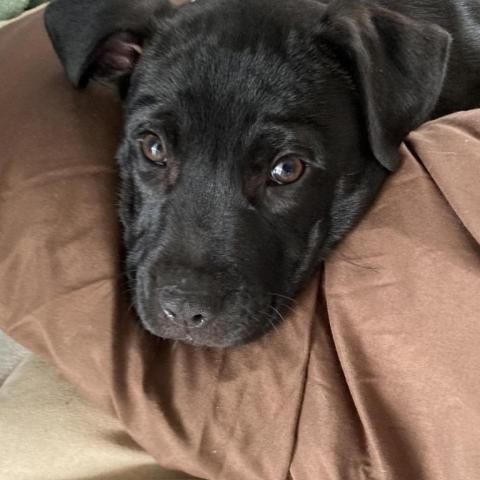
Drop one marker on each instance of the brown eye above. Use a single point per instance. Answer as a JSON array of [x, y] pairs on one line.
[[287, 169], [153, 149]]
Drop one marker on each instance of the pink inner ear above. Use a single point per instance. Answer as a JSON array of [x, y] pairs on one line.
[[118, 54]]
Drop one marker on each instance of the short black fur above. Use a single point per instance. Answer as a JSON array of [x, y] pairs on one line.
[[216, 251]]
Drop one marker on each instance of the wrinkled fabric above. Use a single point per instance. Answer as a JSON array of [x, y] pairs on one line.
[[375, 374], [393, 390]]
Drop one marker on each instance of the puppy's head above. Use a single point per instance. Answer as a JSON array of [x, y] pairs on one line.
[[256, 133]]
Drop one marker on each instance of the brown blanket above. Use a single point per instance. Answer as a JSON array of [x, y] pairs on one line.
[[375, 375]]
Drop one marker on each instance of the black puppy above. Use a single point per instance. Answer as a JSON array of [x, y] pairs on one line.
[[256, 134]]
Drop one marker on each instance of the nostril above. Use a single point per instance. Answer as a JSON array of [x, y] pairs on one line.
[[182, 316], [198, 320]]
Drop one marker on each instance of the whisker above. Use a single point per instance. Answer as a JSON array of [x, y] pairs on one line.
[[272, 323], [258, 318], [278, 313], [131, 306], [283, 296], [291, 309]]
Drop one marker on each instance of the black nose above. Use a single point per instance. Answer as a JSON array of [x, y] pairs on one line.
[[189, 309]]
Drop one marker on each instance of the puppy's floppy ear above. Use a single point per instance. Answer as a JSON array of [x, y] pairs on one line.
[[397, 63], [101, 38]]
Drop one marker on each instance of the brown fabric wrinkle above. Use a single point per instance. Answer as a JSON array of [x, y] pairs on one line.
[[370, 441], [59, 297], [319, 318], [412, 465], [45, 180], [445, 170], [356, 258], [451, 125], [48, 335], [120, 400], [46, 341], [315, 416], [232, 433], [216, 406], [58, 172]]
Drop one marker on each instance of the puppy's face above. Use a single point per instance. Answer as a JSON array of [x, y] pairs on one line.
[[234, 148], [246, 155]]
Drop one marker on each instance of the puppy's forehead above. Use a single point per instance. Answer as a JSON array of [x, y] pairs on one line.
[[237, 25], [230, 24], [221, 53]]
